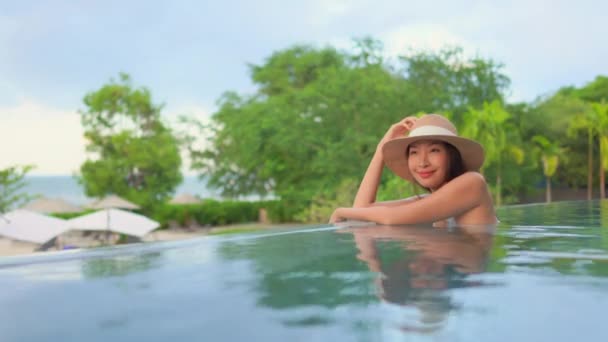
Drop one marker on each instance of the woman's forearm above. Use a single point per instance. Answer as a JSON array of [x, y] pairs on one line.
[[375, 214], [366, 195]]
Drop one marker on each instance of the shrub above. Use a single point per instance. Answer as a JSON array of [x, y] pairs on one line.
[[214, 212]]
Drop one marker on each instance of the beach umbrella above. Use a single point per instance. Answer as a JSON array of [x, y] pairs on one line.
[[184, 198], [46, 205], [113, 201], [114, 220], [29, 226]]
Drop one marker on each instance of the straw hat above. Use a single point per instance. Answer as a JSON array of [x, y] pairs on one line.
[[431, 127]]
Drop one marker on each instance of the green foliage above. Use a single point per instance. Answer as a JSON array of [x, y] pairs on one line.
[[565, 112], [600, 110], [11, 184], [323, 204], [293, 69], [447, 81], [396, 188], [132, 152], [553, 116], [67, 216], [595, 91], [492, 126], [213, 212], [550, 152], [318, 114], [576, 112]]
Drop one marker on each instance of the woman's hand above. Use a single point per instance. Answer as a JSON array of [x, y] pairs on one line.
[[398, 130], [335, 217]]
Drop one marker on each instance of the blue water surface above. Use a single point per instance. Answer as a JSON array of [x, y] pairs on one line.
[[541, 275]]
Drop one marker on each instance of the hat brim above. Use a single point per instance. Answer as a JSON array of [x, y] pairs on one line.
[[394, 153]]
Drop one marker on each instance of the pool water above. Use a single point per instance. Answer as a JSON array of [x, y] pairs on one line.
[[541, 275]]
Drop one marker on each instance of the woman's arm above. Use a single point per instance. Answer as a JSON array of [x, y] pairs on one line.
[[367, 251], [366, 195], [461, 194], [399, 202]]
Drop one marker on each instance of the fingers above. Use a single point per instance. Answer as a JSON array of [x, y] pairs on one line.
[[398, 129], [404, 125], [409, 122]]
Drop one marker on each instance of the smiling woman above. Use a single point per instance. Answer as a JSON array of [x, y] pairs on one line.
[[437, 159]]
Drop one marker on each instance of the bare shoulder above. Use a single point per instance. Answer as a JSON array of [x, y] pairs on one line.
[[469, 180], [473, 176]]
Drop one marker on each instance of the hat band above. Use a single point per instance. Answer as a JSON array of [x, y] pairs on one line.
[[430, 130]]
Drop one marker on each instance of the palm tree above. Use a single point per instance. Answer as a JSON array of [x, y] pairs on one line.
[[601, 110], [550, 152], [490, 126], [586, 120]]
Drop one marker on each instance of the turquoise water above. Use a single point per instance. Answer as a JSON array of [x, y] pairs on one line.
[[542, 275]]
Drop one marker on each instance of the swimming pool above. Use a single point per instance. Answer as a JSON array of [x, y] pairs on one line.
[[542, 275]]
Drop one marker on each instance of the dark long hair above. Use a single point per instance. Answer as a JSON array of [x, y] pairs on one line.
[[456, 165]]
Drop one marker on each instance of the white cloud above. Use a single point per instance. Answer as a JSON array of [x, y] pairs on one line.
[[422, 37], [51, 139]]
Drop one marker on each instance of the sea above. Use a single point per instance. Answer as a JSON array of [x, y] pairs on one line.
[[67, 188]]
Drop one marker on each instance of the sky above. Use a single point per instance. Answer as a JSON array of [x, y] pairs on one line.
[[190, 52]]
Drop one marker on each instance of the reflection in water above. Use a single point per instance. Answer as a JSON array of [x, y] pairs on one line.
[[425, 265], [119, 265], [574, 243], [310, 279], [302, 270]]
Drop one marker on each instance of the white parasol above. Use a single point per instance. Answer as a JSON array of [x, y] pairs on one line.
[[115, 220], [29, 226]]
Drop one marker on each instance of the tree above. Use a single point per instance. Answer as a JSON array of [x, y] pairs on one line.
[[552, 117], [293, 69], [594, 91], [584, 120], [550, 152], [11, 184], [601, 111], [490, 127], [132, 152], [447, 81]]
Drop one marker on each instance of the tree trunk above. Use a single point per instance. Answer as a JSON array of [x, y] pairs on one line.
[[602, 179], [498, 190], [602, 182], [590, 165], [548, 190]]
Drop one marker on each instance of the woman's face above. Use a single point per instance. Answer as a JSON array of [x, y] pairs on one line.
[[428, 162]]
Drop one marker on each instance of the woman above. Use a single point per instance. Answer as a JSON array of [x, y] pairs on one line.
[[436, 158]]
